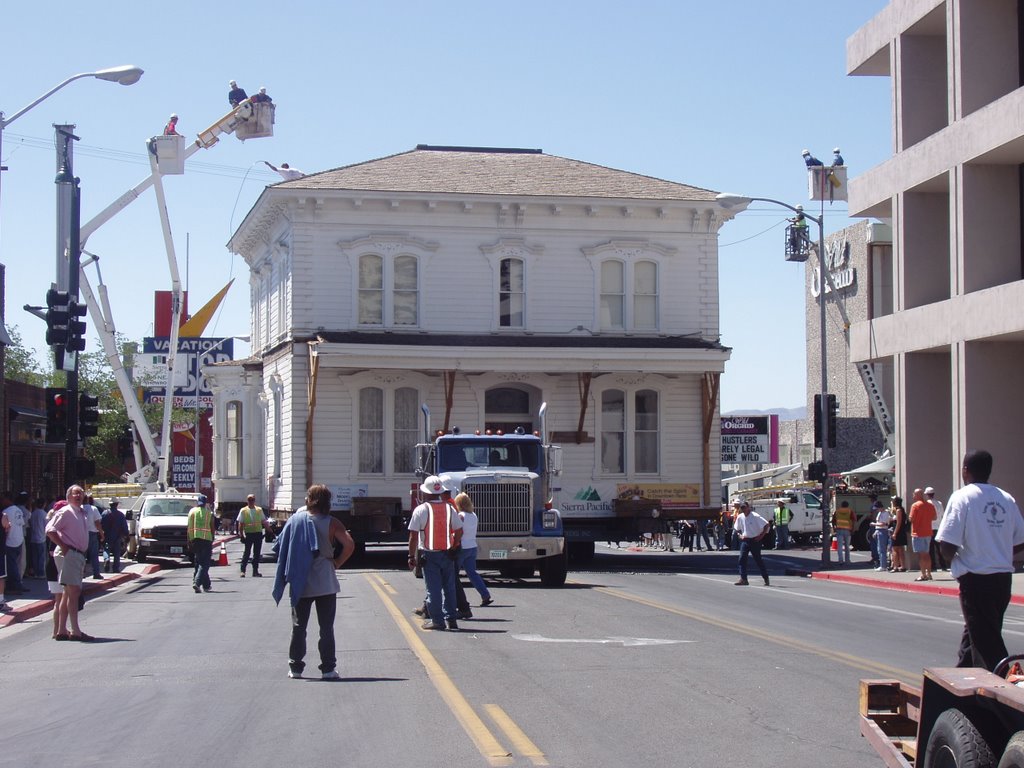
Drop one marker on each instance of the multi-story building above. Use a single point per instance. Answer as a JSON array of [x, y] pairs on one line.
[[954, 334], [482, 282]]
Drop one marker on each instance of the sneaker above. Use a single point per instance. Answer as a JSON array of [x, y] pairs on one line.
[[257, 575], [880, 568], [466, 614], [332, 675], [766, 583], [294, 675], [432, 625], [195, 588], [453, 625], [421, 612], [242, 575], [3, 605], [741, 583], [486, 601], [207, 589]]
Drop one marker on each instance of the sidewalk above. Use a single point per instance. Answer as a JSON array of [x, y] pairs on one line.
[[38, 600]]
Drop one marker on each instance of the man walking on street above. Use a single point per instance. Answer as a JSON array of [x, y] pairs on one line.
[[436, 529], [980, 531], [115, 530], [17, 518], [200, 537], [922, 513], [95, 536], [252, 524], [750, 528], [842, 523]]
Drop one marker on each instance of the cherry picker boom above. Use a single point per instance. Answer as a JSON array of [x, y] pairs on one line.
[[167, 155]]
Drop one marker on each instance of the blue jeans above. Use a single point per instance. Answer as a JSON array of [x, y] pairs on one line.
[[113, 551], [439, 573], [202, 555], [37, 559], [782, 537], [467, 563], [13, 555], [843, 545], [751, 547], [93, 555], [882, 543], [326, 609]]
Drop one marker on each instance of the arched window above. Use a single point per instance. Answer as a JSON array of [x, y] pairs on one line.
[[388, 430], [233, 438], [511, 294]]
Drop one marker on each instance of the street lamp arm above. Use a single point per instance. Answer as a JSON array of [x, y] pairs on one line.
[[734, 201], [126, 75]]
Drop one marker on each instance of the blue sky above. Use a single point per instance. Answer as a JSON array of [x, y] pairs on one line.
[[719, 95]]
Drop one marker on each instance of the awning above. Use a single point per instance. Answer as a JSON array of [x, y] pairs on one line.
[[883, 466]]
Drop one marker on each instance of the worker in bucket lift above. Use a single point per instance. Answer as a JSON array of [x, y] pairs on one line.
[[810, 160], [261, 97], [171, 129], [798, 231], [236, 95], [837, 158]]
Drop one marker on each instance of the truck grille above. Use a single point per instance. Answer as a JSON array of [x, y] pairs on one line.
[[171, 534], [502, 508]]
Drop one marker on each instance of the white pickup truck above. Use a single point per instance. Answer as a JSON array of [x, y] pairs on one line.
[[805, 525]]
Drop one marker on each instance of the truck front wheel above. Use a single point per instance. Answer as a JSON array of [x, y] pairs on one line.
[[554, 569], [1013, 755], [955, 742]]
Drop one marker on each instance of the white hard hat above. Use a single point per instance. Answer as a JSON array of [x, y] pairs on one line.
[[799, 207], [174, 117], [263, 89], [836, 150], [433, 486], [806, 152], [232, 83], [929, 491], [738, 501]]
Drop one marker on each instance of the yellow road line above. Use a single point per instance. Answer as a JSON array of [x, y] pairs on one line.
[[381, 580], [520, 741], [866, 665], [481, 736]]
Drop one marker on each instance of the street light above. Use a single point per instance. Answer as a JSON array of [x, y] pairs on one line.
[[125, 75], [741, 202], [200, 356]]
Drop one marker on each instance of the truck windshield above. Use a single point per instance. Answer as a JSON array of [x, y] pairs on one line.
[[167, 507], [459, 456]]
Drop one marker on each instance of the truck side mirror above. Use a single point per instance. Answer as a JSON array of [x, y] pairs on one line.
[[555, 459]]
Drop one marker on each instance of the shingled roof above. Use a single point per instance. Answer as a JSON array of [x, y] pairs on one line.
[[494, 171]]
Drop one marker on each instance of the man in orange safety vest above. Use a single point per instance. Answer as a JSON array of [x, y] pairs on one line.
[[435, 528]]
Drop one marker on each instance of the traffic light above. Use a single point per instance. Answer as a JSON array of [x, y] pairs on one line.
[[817, 470], [817, 422], [833, 412], [75, 328], [57, 317], [88, 415], [125, 444], [56, 415]]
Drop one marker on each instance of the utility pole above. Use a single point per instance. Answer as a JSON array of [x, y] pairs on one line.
[[68, 264]]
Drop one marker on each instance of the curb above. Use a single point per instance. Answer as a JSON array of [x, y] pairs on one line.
[[863, 581]]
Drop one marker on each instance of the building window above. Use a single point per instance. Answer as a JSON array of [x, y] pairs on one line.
[[278, 441], [645, 431], [388, 289], [645, 295], [371, 430], [233, 434], [388, 427], [511, 294], [613, 431], [630, 432], [613, 295]]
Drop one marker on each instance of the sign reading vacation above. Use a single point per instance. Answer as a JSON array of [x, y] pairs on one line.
[[750, 439]]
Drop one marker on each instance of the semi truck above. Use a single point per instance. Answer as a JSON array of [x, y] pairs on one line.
[[508, 477], [957, 717]]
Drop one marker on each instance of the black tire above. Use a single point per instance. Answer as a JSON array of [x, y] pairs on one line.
[[1013, 755], [581, 551], [955, 742], [860, 537], [140, 556], [553, 570]]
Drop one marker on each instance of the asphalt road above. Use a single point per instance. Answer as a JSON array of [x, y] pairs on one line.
[[637, 661]]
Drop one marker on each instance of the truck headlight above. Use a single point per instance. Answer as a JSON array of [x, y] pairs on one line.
[[147, 533], [550, 519]]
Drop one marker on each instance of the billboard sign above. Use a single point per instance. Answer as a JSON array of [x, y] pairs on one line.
[[151, 368], [750, 439]]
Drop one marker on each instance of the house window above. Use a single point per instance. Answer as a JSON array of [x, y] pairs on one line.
[[388, 427], [388, 289], [278, 437], [613, 295], [511, 294], [629, 295], [233, 434], [645, 431], [371, 430], [630, 432], [613, 431]]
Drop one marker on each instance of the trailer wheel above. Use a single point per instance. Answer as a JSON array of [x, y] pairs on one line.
[[860, 537], [1013, 755], [553, 570], [580, 551], [955, 742]]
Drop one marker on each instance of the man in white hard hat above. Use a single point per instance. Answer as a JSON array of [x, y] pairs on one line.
[[171, 129], [236, 95], [435, 529]]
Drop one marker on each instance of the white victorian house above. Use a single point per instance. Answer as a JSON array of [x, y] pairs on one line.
[[481, 282]]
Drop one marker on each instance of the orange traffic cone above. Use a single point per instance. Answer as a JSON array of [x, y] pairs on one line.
[[223, 559], [835, 545]]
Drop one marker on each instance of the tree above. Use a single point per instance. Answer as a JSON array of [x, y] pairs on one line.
[[21, 364]]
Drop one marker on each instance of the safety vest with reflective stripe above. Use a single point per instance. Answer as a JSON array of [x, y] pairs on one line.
[[251, 519], [438, 535], [199, 524]]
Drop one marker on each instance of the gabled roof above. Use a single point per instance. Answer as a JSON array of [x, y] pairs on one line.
[[494, 171]]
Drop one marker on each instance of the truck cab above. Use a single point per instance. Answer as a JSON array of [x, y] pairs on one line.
[[507, 476], [162, 524]]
